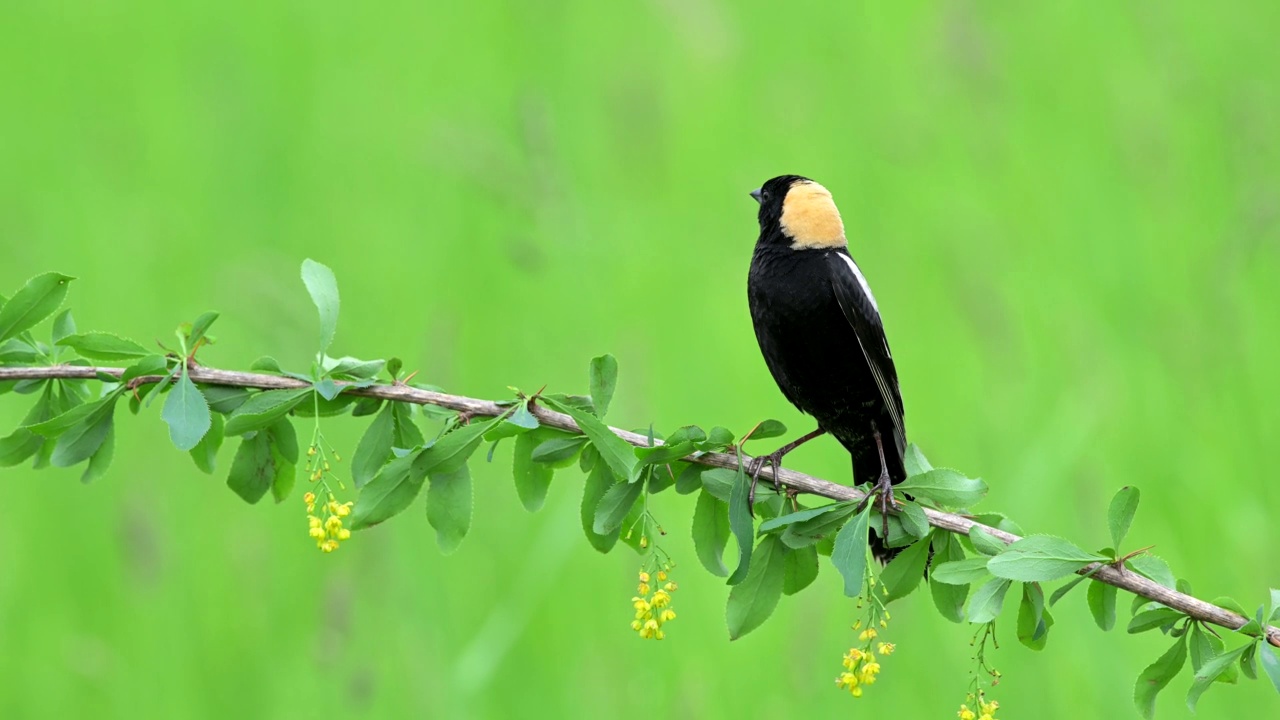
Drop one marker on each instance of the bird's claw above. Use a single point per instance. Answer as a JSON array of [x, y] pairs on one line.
[[885, 502], [754, 468]]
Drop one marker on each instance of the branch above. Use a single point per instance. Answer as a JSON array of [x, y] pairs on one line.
[[1119, 577]]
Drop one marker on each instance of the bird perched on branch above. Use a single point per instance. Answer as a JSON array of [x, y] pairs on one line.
[[819, 329]]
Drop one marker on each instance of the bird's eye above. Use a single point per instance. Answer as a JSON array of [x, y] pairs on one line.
[[764, 196]]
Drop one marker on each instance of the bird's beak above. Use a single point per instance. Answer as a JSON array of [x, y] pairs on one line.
[[755, 194]]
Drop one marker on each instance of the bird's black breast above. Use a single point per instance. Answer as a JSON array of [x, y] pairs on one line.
[[813, 351]]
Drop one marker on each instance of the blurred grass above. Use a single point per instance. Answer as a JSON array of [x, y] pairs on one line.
[[1070, 219]]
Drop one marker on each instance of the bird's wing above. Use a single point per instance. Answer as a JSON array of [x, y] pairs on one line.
[[859, 307]]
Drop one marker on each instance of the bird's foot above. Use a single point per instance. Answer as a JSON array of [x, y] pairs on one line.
[[882, 494], [757, 466]]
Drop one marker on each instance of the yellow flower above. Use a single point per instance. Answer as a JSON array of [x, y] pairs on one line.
[[313, 521], [333, 524], [661, 599], [856, 692], [636, 624], [671, 587], [965, 713], [667, 615], [309, 498], [344, 509], [344, 534], [642, 589], [886, 648], [644, 542], [868, 634], [317, 533], [662, 576], [329, 545], [644, 576]]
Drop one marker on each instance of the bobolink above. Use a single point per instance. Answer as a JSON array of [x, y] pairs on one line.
[[819, 329]]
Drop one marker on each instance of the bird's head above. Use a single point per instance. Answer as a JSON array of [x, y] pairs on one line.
[[799, 212]]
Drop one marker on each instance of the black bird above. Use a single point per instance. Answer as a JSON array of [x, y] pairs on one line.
[[819, 329]]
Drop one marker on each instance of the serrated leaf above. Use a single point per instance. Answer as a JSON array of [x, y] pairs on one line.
[[850, 552], [740, 523], [36, 300], [205, 453], [613, 450], [449, 506], [949, 599], [717, 439], [1274, 615], [1157, 675], [711, 533], [104, 346], [353, 368], [915, 461], [149, 365], [768, 429], [451, 451], [800, 569], [407, 434], [264, 408], [663, 454], [914, 521], [945, 487], [63, 325], [101, 458], [374, 448], [18, 352], [720, 483], [1102, 603], [1120, 513], [199, 328], [819, 528], [327, 389], [960, 572], [284, 458], [603, 381], [18, 446], [186, 413], [532, 478], [1209, 672], [905, 571], [1270, 664], [1034, 619], [557, 449], [1151, 619], [285, 439], [599, 480], [988, 600], [783, 521], [999, 521], [614, 506], [224, 399], [80, 441], [323, 288], [1040, 558], [390, 492], [753, 600], [253, 469], [986, 543], [1154, 569]]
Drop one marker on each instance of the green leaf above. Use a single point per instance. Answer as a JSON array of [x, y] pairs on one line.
[[557, 450], [374, 448], [1120, 513], [604, 379], [451, 451], [1154, 569], [323, 287], [101, 458], [614, 506], [1270, 664], [986, 543], [718, 439], [781, 522], [186, 412], [960, 572], [407, 434], [1039, 558], [1209, 672], [18, 352], [821, 527], [613, 450], [914, 521], [711, 533], [33, 302], [264, 408], [149, 365], [327, 389], [104, 346], [1102, 603], [752, 601], [768, 429], [599, 480], [1034, 619], [905, 571], [740, 523], [663, 454], [988, 600], [1274, 615], [63, 325], [366, 406], [850, 552], [253, 470], [65, 420], [284, 458], [390, 492], [18, 446], [199, 328], [80, 441], [949, 599], [800, 569], [532, 478], [720, 482], [915, 461], [999, 521], [1157, 675], [1151, 619], [522, 418], [205, 453], [449, 506], [945, 487]]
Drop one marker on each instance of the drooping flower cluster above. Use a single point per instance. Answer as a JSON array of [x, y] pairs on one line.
[[326, 527], [652, 604], [985, 710], [861, 664]]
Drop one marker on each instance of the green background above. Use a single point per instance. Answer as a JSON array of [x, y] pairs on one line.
[[1070, 216]]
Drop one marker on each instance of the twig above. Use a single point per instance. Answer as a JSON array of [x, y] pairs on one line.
[[473, 407]]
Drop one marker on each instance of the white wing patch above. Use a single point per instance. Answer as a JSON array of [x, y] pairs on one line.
[[862, 281]]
